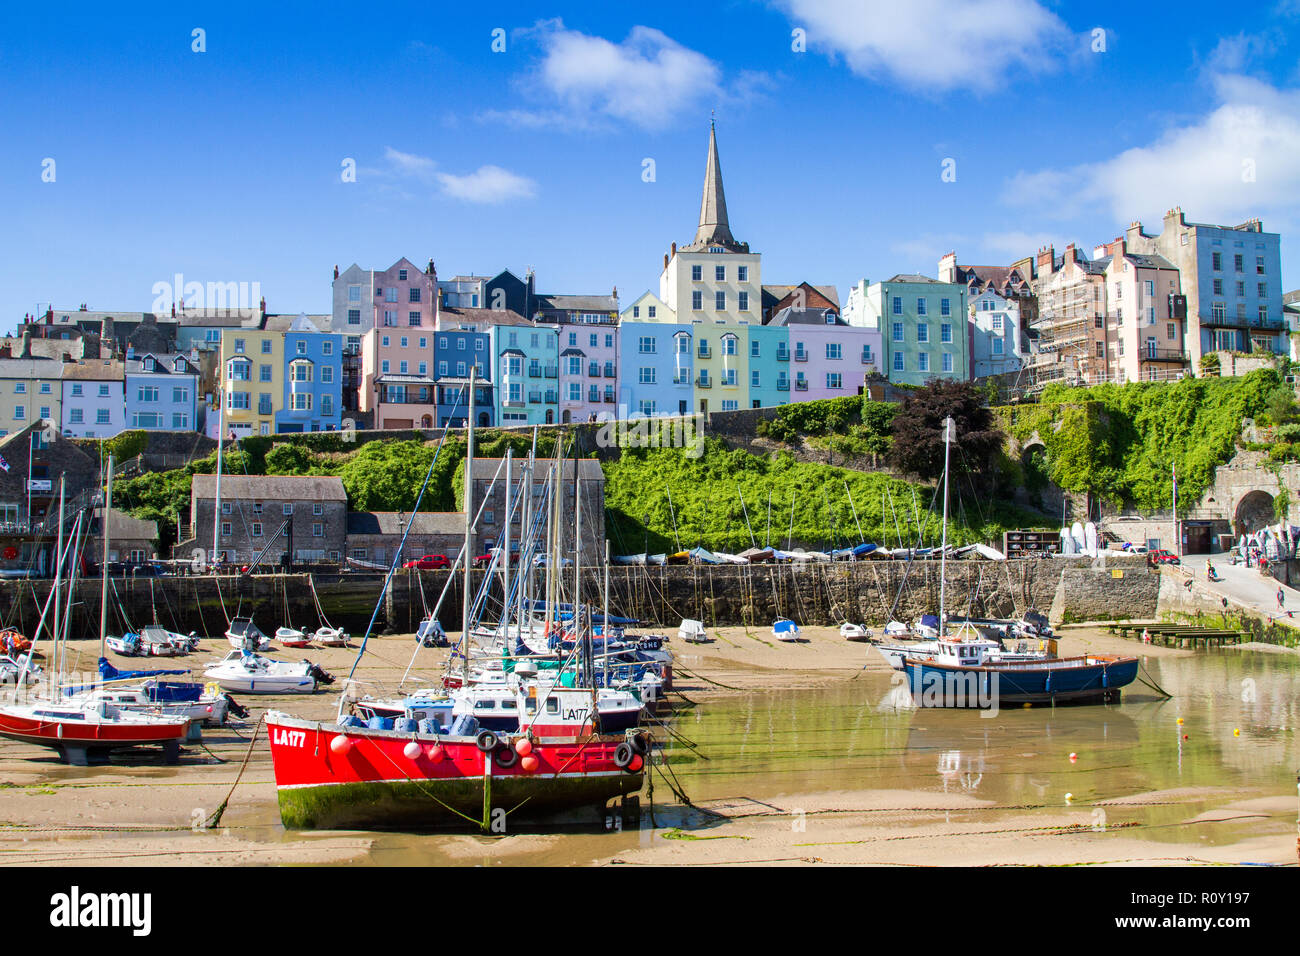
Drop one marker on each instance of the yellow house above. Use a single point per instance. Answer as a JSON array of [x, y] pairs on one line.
[[30, 390], [252, 363]]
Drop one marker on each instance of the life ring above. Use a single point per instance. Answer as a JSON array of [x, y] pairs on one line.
[[487, 741], [623, 755], [505, 757]]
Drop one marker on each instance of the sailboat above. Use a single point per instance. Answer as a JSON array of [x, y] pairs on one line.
[[82, 728], [968, 671], [421, 771]]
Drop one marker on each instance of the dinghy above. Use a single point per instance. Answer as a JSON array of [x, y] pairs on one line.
[[854, 632], [292, 637], [784, 629], [692, 631], [243, 632], [331, 637]]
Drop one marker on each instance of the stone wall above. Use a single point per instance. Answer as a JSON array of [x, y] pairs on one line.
[[739, 595]]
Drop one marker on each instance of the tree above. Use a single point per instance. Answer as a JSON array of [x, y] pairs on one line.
[[386, 476], [1281, 405], [917, 448]]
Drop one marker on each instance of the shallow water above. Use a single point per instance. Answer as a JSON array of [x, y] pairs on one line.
[[772, 746]]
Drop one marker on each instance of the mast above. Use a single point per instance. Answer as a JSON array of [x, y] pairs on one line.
[[58, 582], [505, 552], [580, 633], [949, 426], [861, 537], [216, 510], [469, 526], [103, 585]]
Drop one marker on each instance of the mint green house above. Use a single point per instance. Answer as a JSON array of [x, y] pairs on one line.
[[923, 327]]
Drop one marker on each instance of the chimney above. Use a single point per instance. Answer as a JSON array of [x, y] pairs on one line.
[[665, 260], [429, 270], [336, 270], [1118, 248], [6, 351], [1046, 260], [674, 248], [27, 344], [948, 268], [49, 316], [263, 305]]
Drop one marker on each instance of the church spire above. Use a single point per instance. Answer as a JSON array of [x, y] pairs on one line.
[[714, 230]]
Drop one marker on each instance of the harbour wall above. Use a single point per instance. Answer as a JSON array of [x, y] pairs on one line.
[[871, 592]]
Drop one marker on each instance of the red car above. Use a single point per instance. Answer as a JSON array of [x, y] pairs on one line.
[[1162, 557], [483, 560], [430, 562]]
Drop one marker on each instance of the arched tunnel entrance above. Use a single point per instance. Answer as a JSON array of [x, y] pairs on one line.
[[1254, 511]]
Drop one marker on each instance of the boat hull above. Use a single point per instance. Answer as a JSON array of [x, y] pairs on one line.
[[77, 739], [375, 785], [1070, 680]]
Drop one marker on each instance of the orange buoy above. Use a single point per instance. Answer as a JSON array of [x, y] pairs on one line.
[[523, 746], [1073, 757], [436, 753], [340, 745], [636, 764], [412, 750], [529, 763]]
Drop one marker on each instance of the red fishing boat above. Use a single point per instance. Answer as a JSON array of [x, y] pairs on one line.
[[83, 730], [333, 777]]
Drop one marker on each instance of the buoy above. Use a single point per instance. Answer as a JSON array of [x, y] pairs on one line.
[[1073, 757], [209, 708], [436, 753], [523, 746], [1069, 797], [1180, 721], [636, 764], [1184, 736], [529, 763], [340, 745], [1236, 731], [412, 750]]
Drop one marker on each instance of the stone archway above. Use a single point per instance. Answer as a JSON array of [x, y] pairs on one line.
[[1253, 512]]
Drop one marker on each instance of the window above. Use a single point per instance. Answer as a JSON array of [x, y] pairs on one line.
[[753, 348], [898, 331], [754, 379], [833, 351], [1216, 261], [1170, 330], [264, 373], [147, 393], [923, 332], [180, 421], [76, 416], [697, 300], [1237, 263], [76, 389], [646, 375], [945, 307], [239, 400], [354, 293], [239, 371], [180, 394], [1218, 287], [647, 407], [730, 404], [997, 322], [742, 301], [1150, 286], [354, 316], [728, 345], [834, 380], [45, 388], [266, 346], [636, 311], [257, 529], [103, 391], [997, 346], [326, 347], [921, 307], [720, 273], [697, 273], [286, 510], [720, 301], [898, 361], [1101, 350], [947, 361], [415, 297], [923, 361], [226, 529], [1259, 266], [646, 345], [102, 416], [300, 401], [945, 333], [317, 529], [650, 311], [742, 273], [575, 392]]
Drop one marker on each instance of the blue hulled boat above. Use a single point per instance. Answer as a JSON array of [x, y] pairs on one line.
[[964, 673]]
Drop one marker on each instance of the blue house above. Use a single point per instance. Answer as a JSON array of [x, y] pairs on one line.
[[161, 392], [463, 342], [656, 368], [313, 380]]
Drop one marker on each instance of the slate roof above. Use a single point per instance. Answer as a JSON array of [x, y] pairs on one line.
[[278, 487]]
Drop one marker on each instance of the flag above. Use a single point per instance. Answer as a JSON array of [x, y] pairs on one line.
[[4, 464]]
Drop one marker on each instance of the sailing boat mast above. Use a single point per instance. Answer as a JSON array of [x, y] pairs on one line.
[[949, 426], [58, 580], [469, 526], [216, 509], [505, 552], [103, 561]]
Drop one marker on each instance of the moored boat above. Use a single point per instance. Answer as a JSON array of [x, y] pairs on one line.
[[253, 674]]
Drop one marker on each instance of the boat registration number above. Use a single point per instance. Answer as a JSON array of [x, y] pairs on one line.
[[289, 738]]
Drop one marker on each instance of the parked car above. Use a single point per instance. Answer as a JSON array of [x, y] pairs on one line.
[[429, 562], [1163, 556], [483, 560]]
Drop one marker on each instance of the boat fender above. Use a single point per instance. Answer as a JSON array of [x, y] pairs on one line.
[[486, 741], [640, 744], [505, 756], [623, 756], [238, 710]]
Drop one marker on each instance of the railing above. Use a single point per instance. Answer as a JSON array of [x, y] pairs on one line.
[[868, 358], [783, 355], [1162, 355], [801, 386], [704, 382], [783, 386], [801, 356], [534, 371], [551, 371], [704, 351], [611, 371], [609, 399]]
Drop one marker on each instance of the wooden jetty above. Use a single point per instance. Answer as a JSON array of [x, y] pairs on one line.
[[1178, 635]]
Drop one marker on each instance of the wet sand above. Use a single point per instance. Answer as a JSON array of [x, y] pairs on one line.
[[992, 800]]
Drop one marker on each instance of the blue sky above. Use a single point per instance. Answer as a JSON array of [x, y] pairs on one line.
[[225, 165]]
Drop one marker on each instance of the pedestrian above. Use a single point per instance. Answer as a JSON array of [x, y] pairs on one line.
[[1281, 599]]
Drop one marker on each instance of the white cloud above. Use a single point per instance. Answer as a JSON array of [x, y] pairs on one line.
[[488, 184], [1205, 166], [934, 45], [647, 80]]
